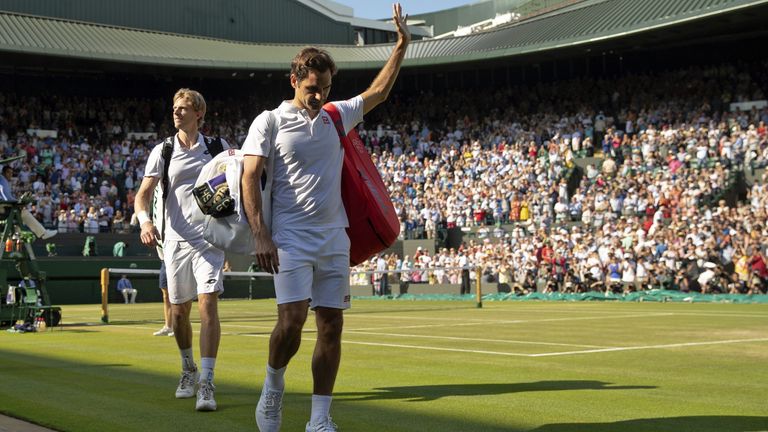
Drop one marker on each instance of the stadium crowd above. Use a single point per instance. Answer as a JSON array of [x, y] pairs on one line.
[[648, 210]]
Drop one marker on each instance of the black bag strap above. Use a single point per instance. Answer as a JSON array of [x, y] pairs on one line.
[[166, 154], [214, 145]]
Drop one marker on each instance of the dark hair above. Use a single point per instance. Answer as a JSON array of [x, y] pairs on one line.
[[312, 59]]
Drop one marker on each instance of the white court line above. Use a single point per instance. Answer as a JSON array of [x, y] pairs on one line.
[[516, 321], [492, 320], [513, 354], [520, 342], [686, 344], [474, 323], [249, 326], [500, 353], [195, 328], [396, 327], [725, 314], [414, 347], [311, 330], [645, 315], [415, 318], [437, 348]]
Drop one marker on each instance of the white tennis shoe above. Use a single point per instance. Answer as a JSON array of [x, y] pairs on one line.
[[326, 425], [269, 410], [187, 384], [205, 399], [165, 331]]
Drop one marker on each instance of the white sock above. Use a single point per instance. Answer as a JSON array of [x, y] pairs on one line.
[[275, 378], [321, 408], [187, 360], [207, 364]]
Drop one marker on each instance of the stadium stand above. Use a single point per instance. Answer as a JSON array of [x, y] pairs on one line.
[[617, 177]]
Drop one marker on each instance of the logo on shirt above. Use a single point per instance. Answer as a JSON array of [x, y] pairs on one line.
[[325, 120]]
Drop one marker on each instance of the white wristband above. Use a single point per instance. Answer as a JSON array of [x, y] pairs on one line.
[[143, 217]]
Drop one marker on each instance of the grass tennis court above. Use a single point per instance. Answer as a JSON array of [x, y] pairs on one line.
[[414, 366]]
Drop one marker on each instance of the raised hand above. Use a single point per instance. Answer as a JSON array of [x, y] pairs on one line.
[[400, 20]]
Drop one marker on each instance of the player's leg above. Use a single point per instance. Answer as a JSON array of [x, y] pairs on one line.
[[182, 331], [292, 287], [283, 345], [208, 263], [181, 292], [330, 296], [327, 354], [163, 285]]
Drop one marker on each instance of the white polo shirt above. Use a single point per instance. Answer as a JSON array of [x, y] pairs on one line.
[[181, 208], [306, 184]]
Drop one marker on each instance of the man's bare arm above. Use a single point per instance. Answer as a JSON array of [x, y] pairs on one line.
[[382, 84], [266, 252]]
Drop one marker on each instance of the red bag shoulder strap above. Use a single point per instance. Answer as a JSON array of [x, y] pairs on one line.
[[336, 118]]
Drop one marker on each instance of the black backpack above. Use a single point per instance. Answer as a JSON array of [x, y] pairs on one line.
[[214, 145]]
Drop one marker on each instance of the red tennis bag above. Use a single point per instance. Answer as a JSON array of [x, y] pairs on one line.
[[373, 222]]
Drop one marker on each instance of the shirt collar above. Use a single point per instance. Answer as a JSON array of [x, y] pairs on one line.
[[200, 140], [289, 107]]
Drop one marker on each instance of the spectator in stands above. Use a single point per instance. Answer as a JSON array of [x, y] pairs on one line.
[[380, 277], [118, 223], [434, 152], [759, 269], [405, 274], [61, 220]]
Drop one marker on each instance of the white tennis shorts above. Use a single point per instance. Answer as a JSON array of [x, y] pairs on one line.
[[192, 268], [314, 265]]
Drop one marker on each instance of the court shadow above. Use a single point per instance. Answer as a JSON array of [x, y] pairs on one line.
[[669, 424], [69, 328], [129, 323], [40, 388], [434, 392]]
